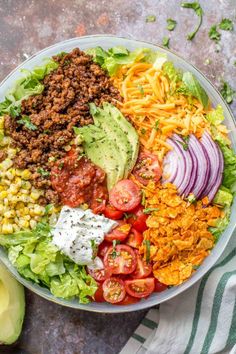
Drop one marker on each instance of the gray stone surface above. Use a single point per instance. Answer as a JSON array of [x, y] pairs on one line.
[[27, 26]]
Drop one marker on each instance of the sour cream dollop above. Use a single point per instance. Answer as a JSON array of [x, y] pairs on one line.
[[78, 232]]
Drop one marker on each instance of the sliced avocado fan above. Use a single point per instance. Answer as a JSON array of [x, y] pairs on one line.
[[111, 143], [12, 307]]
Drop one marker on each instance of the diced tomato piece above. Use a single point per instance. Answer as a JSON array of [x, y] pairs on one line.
[[99, 274], [98, 296], [140, 287], [113, 290], [120, 259], [119, 233], [143, 269], [102, 248], [112, 213], [159, 286], [147, 168], [125, 195], [134, 239], [138, 219]]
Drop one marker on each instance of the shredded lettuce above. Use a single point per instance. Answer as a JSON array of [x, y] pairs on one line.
[[38, 260], [194, 88], [171, 72], [112, 59], [223, 197], [216, 116], [29, 84]]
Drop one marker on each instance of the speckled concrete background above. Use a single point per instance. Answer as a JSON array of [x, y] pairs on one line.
[[27, 26]]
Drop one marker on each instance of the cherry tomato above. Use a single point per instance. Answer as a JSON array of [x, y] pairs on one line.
[[140, 287], [98, 296], [113, 290], [134, 239], [138, 220], [142, 270], [125, 195], [99, 207], [147, 168], [159, 286], [102, 248], [128, 300], [112, 213], [119, 233], [99, 274], [120, 259]]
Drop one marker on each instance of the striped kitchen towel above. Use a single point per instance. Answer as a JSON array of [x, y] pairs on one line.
[[202, 320]]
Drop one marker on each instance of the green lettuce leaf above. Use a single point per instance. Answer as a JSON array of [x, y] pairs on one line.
[[229, 174], [216, 117], [220, 227], [195, 89], [29, 84], [171, 72], [223, 197], [112, 59], [39, 260]]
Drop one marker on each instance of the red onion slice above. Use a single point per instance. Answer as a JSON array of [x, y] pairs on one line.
[[216, 166], [203, 169], [170, 167], [181, 161], [187, 179]]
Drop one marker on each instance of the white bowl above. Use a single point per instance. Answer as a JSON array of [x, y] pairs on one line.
[[107, 41]]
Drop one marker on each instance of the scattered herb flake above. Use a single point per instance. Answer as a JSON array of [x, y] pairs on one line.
[[156, 126], [171, 24], [191, 198], [14, 111], [227, 92], [143, 200], [141, 90], [166, 42], [43, 172], [60, 166], [199, 12], [151, 18], [226, 24], [214, 34], [25, 120], [129, 215], [149, 210], [94, 248], [48, 207], [195, 267], [143, 131]]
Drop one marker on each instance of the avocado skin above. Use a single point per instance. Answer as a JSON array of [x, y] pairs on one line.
[[11, 316]]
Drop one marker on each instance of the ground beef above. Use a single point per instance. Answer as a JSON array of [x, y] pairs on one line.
[[3, 155], [62, 105]]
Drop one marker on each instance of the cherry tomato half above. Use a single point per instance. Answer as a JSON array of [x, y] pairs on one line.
[[134, 239], [140, 287], [119, 233], [125, 195], [98, 296], [138, 220], [142, 270], [102, 248], [128, 300], [159, 286], [113, 290], [112, 213], [147, 168], [99, 274], [120, 259]]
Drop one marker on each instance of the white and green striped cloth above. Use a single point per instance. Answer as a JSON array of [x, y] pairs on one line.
[[202, 320]]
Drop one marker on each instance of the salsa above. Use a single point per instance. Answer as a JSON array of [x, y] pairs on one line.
[[77, 180]]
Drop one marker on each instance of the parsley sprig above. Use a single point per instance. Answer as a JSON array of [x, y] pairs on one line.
[[171, 24], [199, 12]]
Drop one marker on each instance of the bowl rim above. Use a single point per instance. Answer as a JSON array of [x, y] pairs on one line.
[[108, 308]]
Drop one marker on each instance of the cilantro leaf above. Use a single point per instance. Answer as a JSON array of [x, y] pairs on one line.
[[226, 24], [43, 172], [199, 12], [149, 210], [227, 92], [214, 34], [151, 18], [25, 120], [166, 42], [171, 24]]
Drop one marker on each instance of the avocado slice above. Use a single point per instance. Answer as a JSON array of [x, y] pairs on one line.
[[127, 128], [102, 152], [105, 121], [12, 307]]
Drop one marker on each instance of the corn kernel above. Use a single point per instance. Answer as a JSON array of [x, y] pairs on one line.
[[3, 195], [11, 153], [23, 223], [33, 223], [20, 205], [10, 174], [2, 209], [25, 211], [13, 189], [5, 181], [35, 195], [24, 198], [6, 164], [24, 191], [38, 210], [6, 201], [26, 185], [26, 174], [7, 228], [27, 217], [9, 214], [15, 227], [2, 188], [1, 122]]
